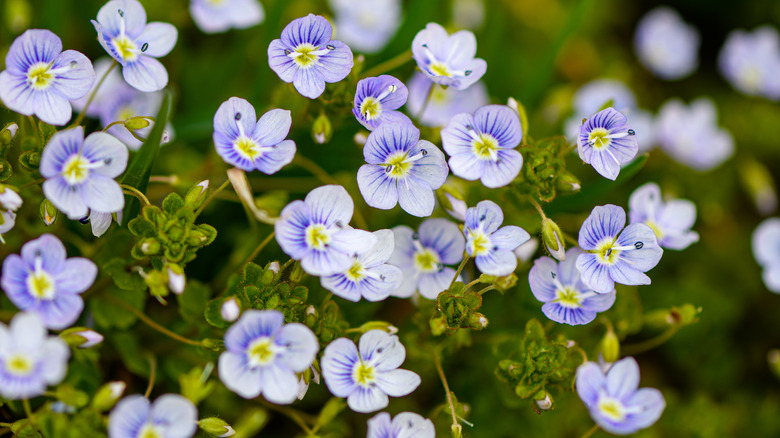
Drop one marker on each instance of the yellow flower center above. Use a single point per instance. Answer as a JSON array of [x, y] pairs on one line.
[[41, 285], [606, 252], [440, 69], [656, 229], [317, 236], [485, 147], [598, 138], [364, 374], [247, 148], [397, 165], [371, 108], [305, 57], [439, 94], [76, 169], [126, 48], [426, 261], [568, 298], [356, 272], [216, 2], [39, 76], [149, 431], [612, 408], [19, 365], [480, 243], [261, 351]]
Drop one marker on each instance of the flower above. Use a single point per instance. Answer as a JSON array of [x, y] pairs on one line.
[[80, 172], [404, 425], [315, 231], [614, 399], [122, 30], [9, 199], [367, 374], [457, 206], [106, 93], [666, 45], [567, 299], [606, 142], [690, 134], [44, 281], [614, 254], [490, 246], [401, 169], [247, 143], [766, 250], [369, 276], [307, 57], [671, 221], [750, 61], [448, 60], [219, 16], [40, 78], [170, 416], [377, 98], [443, 104], [526, 251], [99, 222], [263, 355], [30, 360], [366, 25], [482, 145], [422, 257]]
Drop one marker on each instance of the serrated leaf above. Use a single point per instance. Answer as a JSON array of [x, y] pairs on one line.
[[172, 203], [140, 227]]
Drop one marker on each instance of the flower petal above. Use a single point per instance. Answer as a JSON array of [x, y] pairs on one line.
[[252, 325], [416, 197], [378, 189], [132, 13], [498, 263], [541, 278], [432, 168], [76, 81], [381, 349], [60, 312], [52, 107], [280, 63], [159, 39], [300, 346], [273, 127], [281, 155], [51, 251], [102, 194], [445, 237], [177, 413], [337, 63], [398, 383], [589, 382], [309, 83], [510, 237], [128, 416], [594, 274], [338, 363], [105, 148], [504, 171], [330, 204], [16, 94], [380, 253], [145, 74], [238, 377], [280, 385], [76, 276], [67, 199], [431, 285], [365, 400], [486, 214], [604, 222], [501, 122]]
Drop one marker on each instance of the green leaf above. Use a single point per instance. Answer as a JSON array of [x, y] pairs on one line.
[[172, 203], [116, 268], [192, 303], [212, 313], [109, 315], [194, 387]]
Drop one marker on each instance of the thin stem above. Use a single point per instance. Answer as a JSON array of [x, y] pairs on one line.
[[130, 190], [211, 197], [148, 321], [27, 408], [258, 249], [468, 286], [590, 432], [538, 208], [389, 65], [489, 288], [641, 347], [425, 103], [460, 268], [440, 370], [32, 183], [83, 113], [291, 414], [6, 424], [36, 128], [162, 179], [152, 375], [118, 122]]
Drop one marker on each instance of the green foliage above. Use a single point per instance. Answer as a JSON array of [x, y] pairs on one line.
[[456, 308], [544, 166]]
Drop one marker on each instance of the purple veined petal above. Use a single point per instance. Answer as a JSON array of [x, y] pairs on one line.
[[444, 237], [485, 213], [541, 278], [498, 263], [624, 273], [567, 269], [678, 214], [14, 281], [253, 324], [599, 302], [383, 350], [567, 315], [501, 122], [432, 168], [379, 426], [381, 252], [462, 48], [330, 204], [467, 166], [434, 38], [645, 202], [403, 238], [32, 47], [412, 425], [104, 38], [238, 377], [145, 74], [652, 405], [60, 312], [353, 241], [416, 197], [16, 93], [602, 162], [103, 147], [377, 290], [594, 274], [51, 251], [321, 263], [642, 236], [76, 276], [337, 63], [128, 416], [67, 199], [280, 384], [398, 383], [604, 222], [390, 138], [227, 151], [502, 172], [281, 155], [272, 128], [312, 29], [477, 67], [177, 413], [99, 222], [510, 237], [133, 14], [232, 112], [431, 285], [158, 38], [52, 107], [341, 286], [290, 230], [301, 346], [391, 101], [338, 362], [623, 378], [246, 13], [280, 63], [367, 399], [102, 194], [589, 382], [55, 367], [455, 136], [78, 76], [309, 83]]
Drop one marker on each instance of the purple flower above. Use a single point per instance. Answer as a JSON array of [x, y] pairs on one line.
[[263, 355], [80, 173], [369, 276], [592, 96], [490, 245], [443, 104], [366, 25], [666, 45], [567, 299], [671, 220], [606, 142], [615, 401], [40, 78], [750, 61], [105, 94], [129, 103], [614, 254], [30, 360], [221, 15], [122, 30], [10, 201], [307, 57], [44, 281], [766, 250], [247, 143], [401, 169], [7, 222], [377, 98], [368, 374], [482, 145], [170, 416], [448, 60], [404, 425], [422, 257], [315, 231]]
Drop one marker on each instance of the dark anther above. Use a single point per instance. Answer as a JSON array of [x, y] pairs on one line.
[[411, 425], [238, 116], [380, 350], [107, 161], [38, 253], [425, 45], [468, 72], [553, 274], [495, 248], [389, 168], [331, 47], [609, 252], [415, 236], [339, 224], [424, 152], [639, 245], [631, 132], [73, 64], [287, 51], [483, 218], [120, 12], [441, 267], [144, 47], [84, 220], [382, 277]]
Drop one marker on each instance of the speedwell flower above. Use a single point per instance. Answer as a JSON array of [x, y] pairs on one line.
[[369, 276], [606, 142], [401, 169], [44, 281], [376, 100], [615, 255], [366, 375], [215, 16], [448, 60], [307, 57], [247, 143], [766, 249], [422, 257], [443, 104], [80, 172], [315, 231], [615, 401], [263, 355], [122, 30], [366, 25], [567, 299], [671, 220], [30, 360], [750, 61], [170, 416], [490, 245], [404, 425], [666, 45], [40, 78], [482, 145]]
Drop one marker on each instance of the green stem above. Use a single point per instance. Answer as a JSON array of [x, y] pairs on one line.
[[489, 288], [641, 347], [152, 375], [425, 103], [6, 424], [148, 321], [440, 370], [36, 128], [130, 190], [211, 197], [27, 408], [118, 122], [291, 414], [468, 286], [389, 65], [258, 249], [460, 268], [590, 432], [538, 208], [83, 113]]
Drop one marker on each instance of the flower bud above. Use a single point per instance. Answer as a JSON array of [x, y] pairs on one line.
[[196, 238], [521, 114], [567, 183], [8, 133], [230, 309], [176, 279], [310, 318], [553, 241], [150, 246], [773, 358], [137, 122], [166, 137], [81, 337], [195, 196], [9, 199], [610, 346], [106, 397], [322, 130], [274, 267], [478, 321], [212, 344], [216, 427], [543, 403], [48, 212], [452, 202], [438, 324], [379, 325]]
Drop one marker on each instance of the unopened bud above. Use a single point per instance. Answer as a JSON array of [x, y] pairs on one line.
[[322, 130], [361, 138], [176, 279], [274, 267], [81, 337], [48, 212], [553, 239], [773, 358], [544, 403], [521, 114], [195, 196], [135, 123], [166, 137], [196, 238], [438, 324], [150, 246], [212, 344], [567, 183], [758, 182], [379, 325], [216, 427], [9, 199], [8, 133], [106, 397], [610, 346], [452, 202], [230, 309], [478, 321]]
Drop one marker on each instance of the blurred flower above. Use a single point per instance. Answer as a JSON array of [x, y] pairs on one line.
[[124, 33], [615, 401], [368, 374], [177, 281], [750, 61], [671, 220], [7, 222], [230, 309], [490, 245], [42, 280], [263, 355], [468, 14], [127, 103], [171, 415], [307, 57], [315, 231], [250, 144], [215, 16], [482, 145], [690, 134], [369, 276], [766, 249], [614, 254], [40, 78], [377, 98], [10, 201], [404, 425], [448, 60], [112, 84], [30, 360], [457, 208], [80, 172], [401, 169], [666, 45], [567, 299], [443, 103], [606, 142], [366, 25], [422, 257], [527, 250]]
